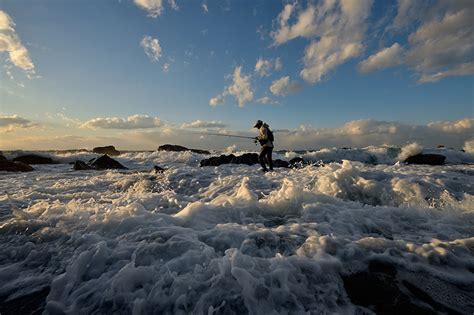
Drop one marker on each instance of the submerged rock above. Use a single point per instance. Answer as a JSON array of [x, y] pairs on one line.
[[428, 159], [101, 163], [179, 148], [109, 150], [10, 166], [247, 158], [34, 159]]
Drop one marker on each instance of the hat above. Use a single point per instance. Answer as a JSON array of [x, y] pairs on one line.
[[258, 123]]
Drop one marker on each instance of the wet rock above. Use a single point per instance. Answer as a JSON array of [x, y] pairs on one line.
[[428, 159], [2, 158], [381, 290], [106, 162], [281, 163], [33, 303], [10, 166], [158, 169], [81, 166], [247, 158], [101, 163], [33, 159], [109, 150], [179, 148]]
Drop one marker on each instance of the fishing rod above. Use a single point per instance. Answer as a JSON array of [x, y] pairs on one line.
[[224, 135]]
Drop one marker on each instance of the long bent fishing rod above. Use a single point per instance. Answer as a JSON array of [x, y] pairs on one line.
[[224, 135]]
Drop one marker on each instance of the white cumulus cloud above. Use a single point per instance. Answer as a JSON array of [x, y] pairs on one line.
[[284, 86], [152, 48], [11, 44], [131, 122], [385, 58], [336, 30], [217, 100], [153, 7], [204, 124], [264, 67]]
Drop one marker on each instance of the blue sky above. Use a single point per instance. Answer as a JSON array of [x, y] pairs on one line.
[[88, 63]]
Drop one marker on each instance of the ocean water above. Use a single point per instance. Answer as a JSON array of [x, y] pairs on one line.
[[230, 239]]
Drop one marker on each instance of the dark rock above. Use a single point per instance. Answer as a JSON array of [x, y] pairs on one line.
[[109, 150], [106, 162], [428, 159], [382, 290], [81, 166], [33, 303], [179, 148], [247, 158], [33, 159], [281, 163], [440, 146], [2, 158], [158, 169], [10, 166]]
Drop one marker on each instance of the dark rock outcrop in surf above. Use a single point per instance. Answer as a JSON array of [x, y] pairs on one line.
[[34, 159], [10, 166], [428, 159], [101, 163], [246, 158], [109, 150], [179, 148]]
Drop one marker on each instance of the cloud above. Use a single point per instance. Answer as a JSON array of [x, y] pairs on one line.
[[166, 67], [173, 5], [263, 67], [204, 7], [204, 124], [10, 43], [385, 58], [153, 7], [265, 100], [131, 122], [152, 48], [458, 126], [336, 30], [218, 100], [441, 44], [284, 86], [240, 87], [278, 64], [10, 123], [370, 132]]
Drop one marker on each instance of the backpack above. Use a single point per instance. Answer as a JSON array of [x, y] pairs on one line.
[[270, 135]]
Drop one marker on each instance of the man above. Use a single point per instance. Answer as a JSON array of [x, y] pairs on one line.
[[266, 141]]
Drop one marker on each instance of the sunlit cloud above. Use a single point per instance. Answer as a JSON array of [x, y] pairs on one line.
[[10, 123], [240, 88], [441, 46], [152, 48], [11, 44], [284, 86], [153, 7], [131, 122], [204, 124], [336, 30]]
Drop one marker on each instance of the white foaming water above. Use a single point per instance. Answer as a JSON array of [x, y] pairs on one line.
[[230, 239]]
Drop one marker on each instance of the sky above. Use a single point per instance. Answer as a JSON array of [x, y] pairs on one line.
[[140, 73]]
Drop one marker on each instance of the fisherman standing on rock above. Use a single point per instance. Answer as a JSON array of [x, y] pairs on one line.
[[266, 141]]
